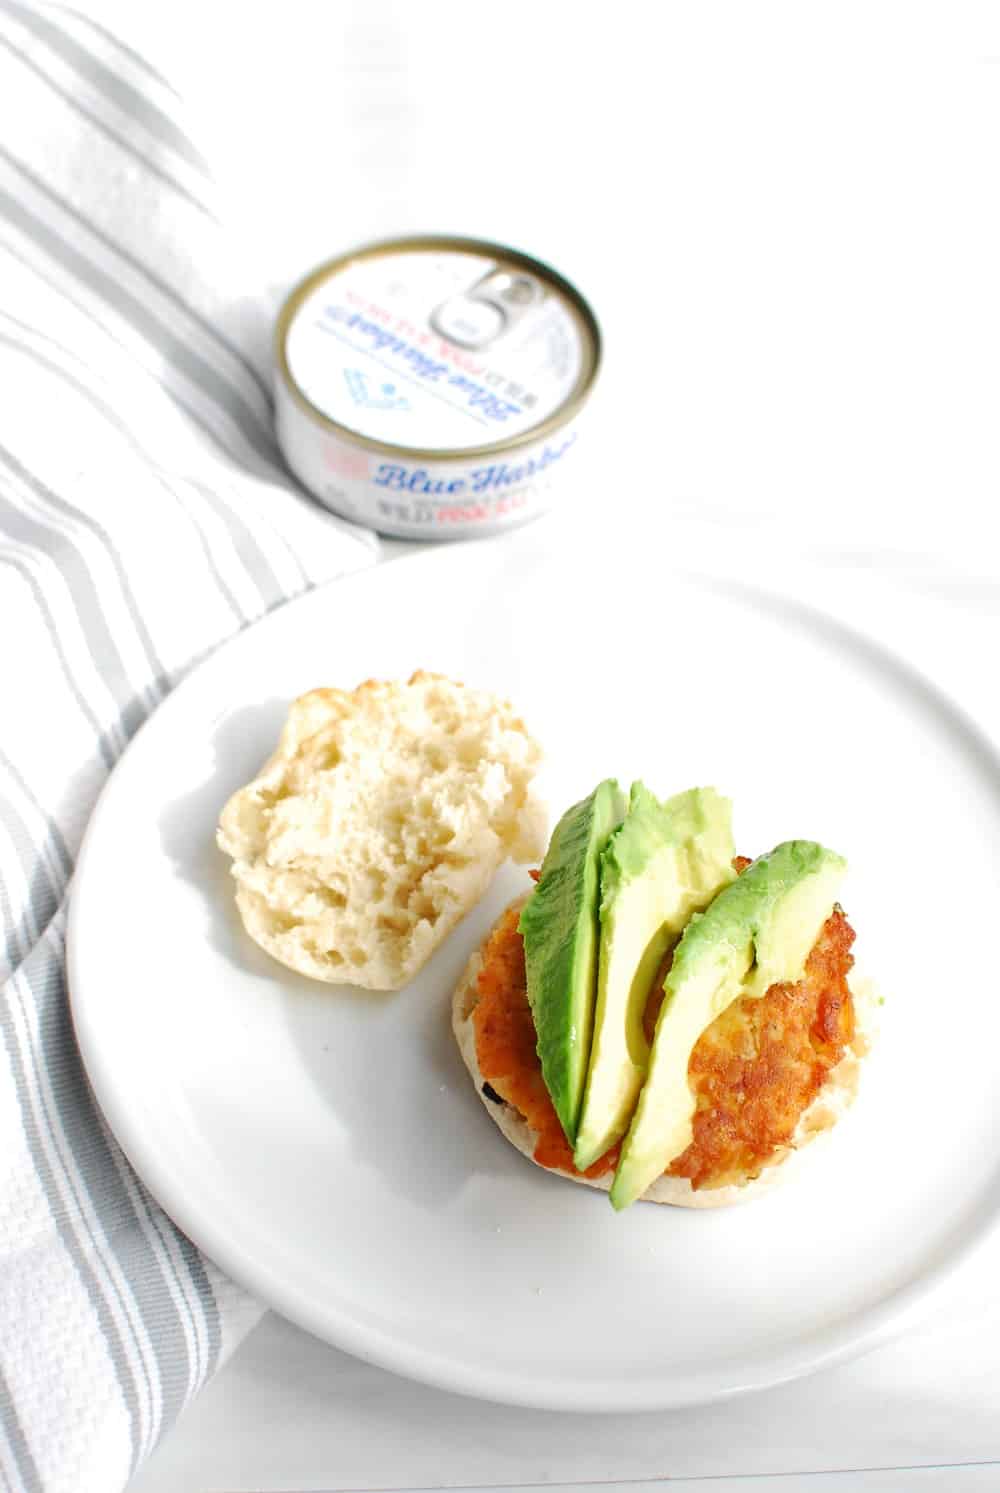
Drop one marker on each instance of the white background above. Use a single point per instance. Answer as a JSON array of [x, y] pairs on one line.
[[785, 215], [787, 218]]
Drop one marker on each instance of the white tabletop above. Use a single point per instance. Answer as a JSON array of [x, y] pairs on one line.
[[786, 218]]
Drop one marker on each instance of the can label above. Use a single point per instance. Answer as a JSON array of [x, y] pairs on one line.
[[432, 388], [435, 349], [425, 499]]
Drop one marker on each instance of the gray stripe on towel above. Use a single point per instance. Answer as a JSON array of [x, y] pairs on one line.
[[95, 121], [27, 1468], [105, 741], [107, 659], [111, 84], [157, 687], [48, 971], [214, 385]]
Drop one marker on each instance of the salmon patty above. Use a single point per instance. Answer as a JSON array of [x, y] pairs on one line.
[[753, 1072]]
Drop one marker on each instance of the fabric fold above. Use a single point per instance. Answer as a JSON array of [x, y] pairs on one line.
[[145, 516]]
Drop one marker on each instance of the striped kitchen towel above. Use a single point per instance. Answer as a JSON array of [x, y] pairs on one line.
[[145, 515]]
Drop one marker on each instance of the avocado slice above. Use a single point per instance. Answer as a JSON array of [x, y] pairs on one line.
[[559, 926], [758, 931], [667, 861]]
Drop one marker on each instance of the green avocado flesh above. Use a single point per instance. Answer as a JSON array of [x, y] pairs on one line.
[[559, 925], [756, 932], [666, 862]]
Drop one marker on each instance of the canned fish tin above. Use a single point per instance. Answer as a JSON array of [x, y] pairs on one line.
[[431, 388]]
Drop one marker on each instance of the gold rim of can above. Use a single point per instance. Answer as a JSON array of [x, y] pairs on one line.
[[562, 415]]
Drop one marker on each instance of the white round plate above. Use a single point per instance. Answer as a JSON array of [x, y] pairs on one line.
[[325, 1146]]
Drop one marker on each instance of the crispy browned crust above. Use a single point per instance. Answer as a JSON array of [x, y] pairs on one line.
[[834, 1098]]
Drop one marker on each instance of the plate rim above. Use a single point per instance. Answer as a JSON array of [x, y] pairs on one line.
[[858, 1334]]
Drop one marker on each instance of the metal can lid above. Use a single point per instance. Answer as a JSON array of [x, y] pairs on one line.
[[433, 345]]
